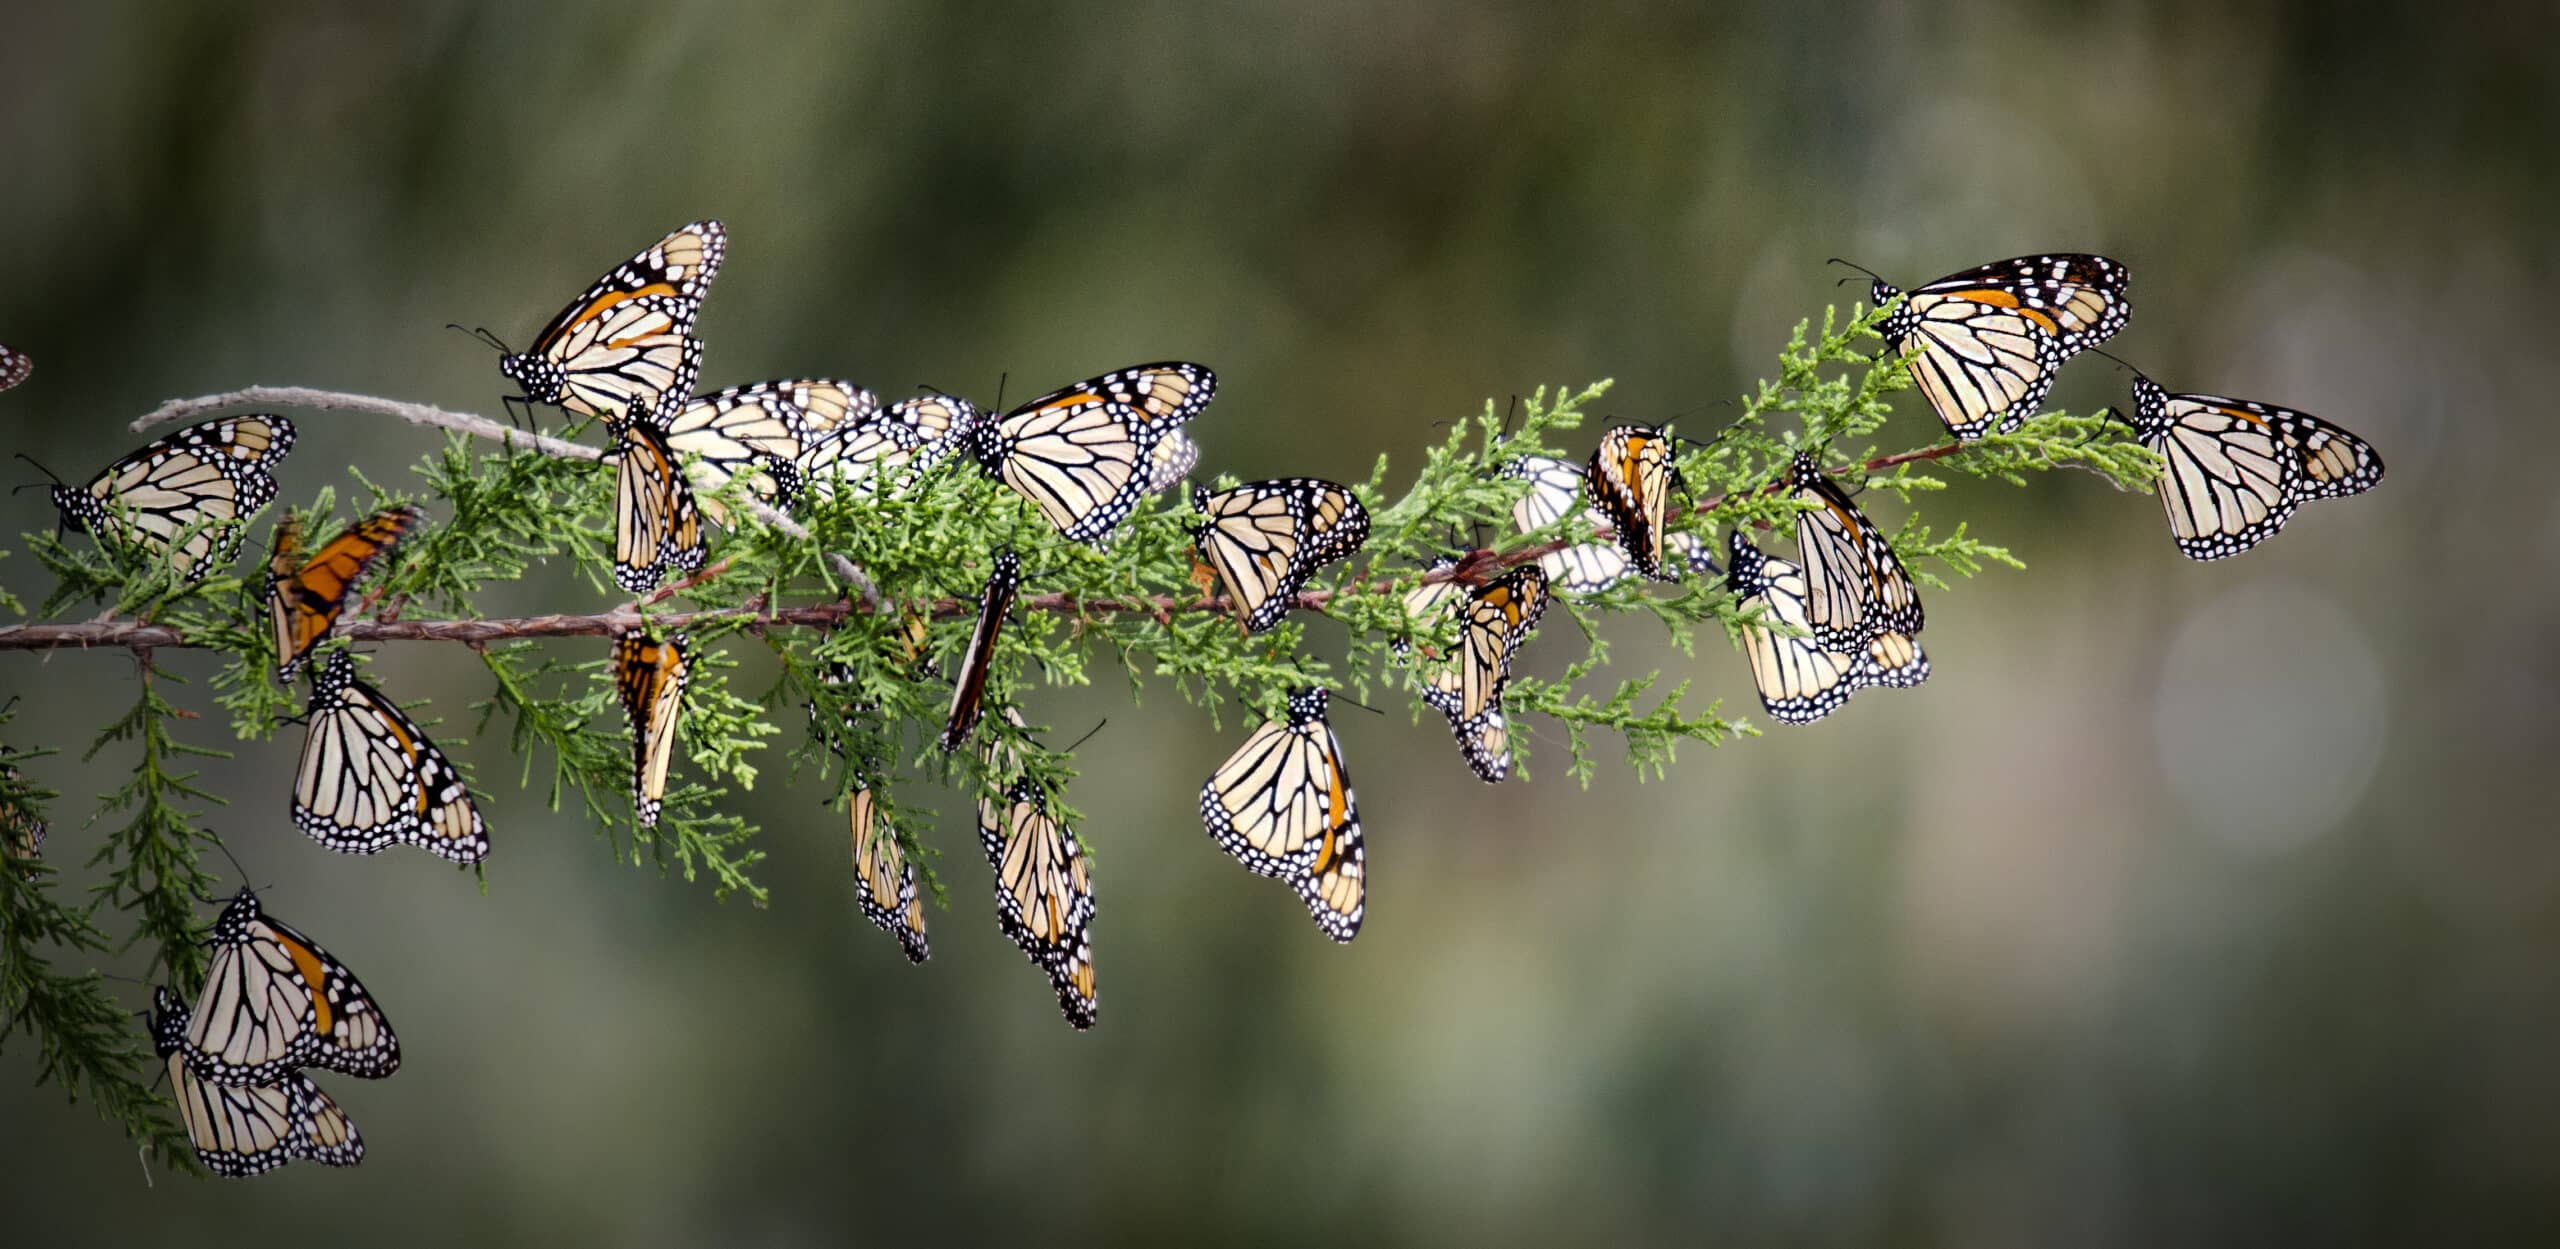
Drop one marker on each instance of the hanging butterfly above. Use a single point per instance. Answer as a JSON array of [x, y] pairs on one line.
[[369, 778], [15, 367], [1800, 680], [1083, 454], [915, 435], [1282, 806], [1983, 344], [885, 882], [185, 495], [626, 347], [1856, 587], [305, 595], [1493, 621], [1266, 538], [246, 1129], [649, 677], [969, 693], [1630, 477], [655, 526], [762, 432], [1555, 492], [275, 1002], [1044, 892], [2233, 470]]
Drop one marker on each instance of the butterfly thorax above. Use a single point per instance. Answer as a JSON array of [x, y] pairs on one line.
[[1898, 326]]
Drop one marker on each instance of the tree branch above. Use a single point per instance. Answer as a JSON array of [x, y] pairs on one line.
[[1474, 567]]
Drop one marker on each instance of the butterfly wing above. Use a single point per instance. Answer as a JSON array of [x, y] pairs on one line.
[[369, 778], [1266, 538], [763, 432], [2335, 463], [1555, 492], [1983, 344], [241, 1130], [304, 598], [15, 367], [969, 693], [655, 524], [1281, 798], [1799, 680], [1629, 478], [185, 495], [1080, 454], [885, 882], [1172, 460], [274, 1001], [649, 677], [916, 435], [1855, 585], [1044, 893], [626, 345], [2228, 478]]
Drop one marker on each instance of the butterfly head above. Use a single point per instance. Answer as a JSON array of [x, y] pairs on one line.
[[2150, 403], [168, 1022], [1743, 560], [1803, 470], [1307, 705], [540, 376]]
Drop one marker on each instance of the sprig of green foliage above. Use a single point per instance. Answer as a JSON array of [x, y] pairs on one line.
[[893, 572]]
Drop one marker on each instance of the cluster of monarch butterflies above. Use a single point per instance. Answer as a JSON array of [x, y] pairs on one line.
[[1983, 347], [274, 1005]]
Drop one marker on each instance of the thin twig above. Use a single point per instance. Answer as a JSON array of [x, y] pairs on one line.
[[417, 414]]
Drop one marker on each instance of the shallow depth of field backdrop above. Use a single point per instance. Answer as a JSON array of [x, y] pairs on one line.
[[2186, 903]]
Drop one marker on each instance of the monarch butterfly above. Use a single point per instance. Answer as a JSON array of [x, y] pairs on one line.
[[15, 367], [304, 596], [1984, 343], [969, 693], [1856, 587], [626, 347], [2233, 470], [655, 526], [916, 434], [273, 1002], [1083, 453], [247, 1129], [1630, 476], [762, 432], [184, 495], [1044, 892], [1555, 492], [369, 778], [1266, 538], [1282, 806], [649, 676], [1493, 621], [1800, 680], [886, 882]]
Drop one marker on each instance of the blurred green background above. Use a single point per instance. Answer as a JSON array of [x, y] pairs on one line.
[[2187, 904]]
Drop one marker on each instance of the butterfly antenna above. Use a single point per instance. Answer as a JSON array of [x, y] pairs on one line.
[[1088, 736], [39, 468], [1859, 267], [1340, 697], [2121, 362], [225, 848], [1001, 379]]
